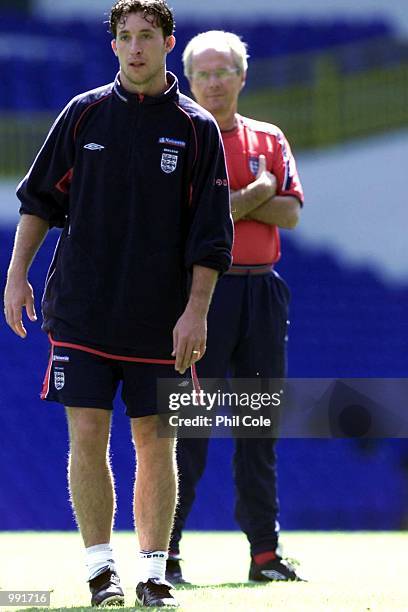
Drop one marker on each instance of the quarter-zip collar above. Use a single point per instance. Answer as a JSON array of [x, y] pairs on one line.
[[126, 96]]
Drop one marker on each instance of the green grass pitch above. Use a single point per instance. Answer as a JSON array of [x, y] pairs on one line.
[[346, 571]]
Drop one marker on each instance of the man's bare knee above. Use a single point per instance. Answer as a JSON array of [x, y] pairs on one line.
[[157, 458], [145, 433], [88, 430]]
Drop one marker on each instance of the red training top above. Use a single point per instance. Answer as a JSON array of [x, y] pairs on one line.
[[255, 242]]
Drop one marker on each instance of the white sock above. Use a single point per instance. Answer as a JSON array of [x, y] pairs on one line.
[[152, 564], [98, 558]]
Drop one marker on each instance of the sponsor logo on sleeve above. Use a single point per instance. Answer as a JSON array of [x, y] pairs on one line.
[[219, 182]]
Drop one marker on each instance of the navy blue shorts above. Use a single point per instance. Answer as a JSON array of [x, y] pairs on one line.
[[78, 379]]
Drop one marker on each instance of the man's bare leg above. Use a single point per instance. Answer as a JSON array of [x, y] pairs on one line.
[[93, 499], [155, 484], [89, 474]]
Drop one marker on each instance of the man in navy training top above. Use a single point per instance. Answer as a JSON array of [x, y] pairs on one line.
[[134, 174]]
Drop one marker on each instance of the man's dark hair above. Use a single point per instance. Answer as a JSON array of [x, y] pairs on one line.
[[157, 12]]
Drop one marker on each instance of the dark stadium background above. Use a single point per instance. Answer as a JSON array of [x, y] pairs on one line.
[[346, 321]]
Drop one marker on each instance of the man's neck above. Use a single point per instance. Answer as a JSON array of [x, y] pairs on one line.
[[227, 123], [152, 88]]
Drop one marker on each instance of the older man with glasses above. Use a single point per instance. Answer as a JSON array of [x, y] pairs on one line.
[[247, 324]]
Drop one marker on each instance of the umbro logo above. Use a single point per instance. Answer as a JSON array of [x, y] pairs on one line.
[[273, 575], [92, 146]]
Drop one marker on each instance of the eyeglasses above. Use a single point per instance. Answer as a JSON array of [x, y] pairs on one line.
[[221, 74]]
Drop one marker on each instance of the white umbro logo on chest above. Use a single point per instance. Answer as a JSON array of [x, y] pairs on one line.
[[92, 146]]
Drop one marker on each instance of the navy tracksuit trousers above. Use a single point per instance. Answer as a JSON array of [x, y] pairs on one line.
[[247, 331]]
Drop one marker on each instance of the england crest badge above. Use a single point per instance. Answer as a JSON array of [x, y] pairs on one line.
[[169, 162], [59, 379], [254, 165]]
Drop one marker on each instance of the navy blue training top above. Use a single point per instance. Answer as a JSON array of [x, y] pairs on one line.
[[140, 188]]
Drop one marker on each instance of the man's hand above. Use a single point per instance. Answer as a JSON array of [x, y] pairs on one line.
[[189, 339], [249, 198], [190, 332], [266, 181], [30, 234], [18, 294]]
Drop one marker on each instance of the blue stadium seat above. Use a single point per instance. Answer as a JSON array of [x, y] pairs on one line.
[[338, 328], [67, 42]]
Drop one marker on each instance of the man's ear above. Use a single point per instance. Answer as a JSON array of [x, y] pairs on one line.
[[169, 43], [243, 80], [114, 48]]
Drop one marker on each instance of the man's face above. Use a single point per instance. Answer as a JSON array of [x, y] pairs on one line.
[[216, 82], [141, 50]]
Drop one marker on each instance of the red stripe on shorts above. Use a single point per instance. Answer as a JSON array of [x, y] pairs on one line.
[[86, 349], [46, 383]]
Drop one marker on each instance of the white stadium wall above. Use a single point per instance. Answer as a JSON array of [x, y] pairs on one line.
[[394, 11], [355, 204]]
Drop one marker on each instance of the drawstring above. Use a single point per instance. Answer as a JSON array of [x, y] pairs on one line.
[[194, 378]]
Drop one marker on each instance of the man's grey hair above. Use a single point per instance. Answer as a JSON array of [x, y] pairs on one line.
[[220, 41]]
